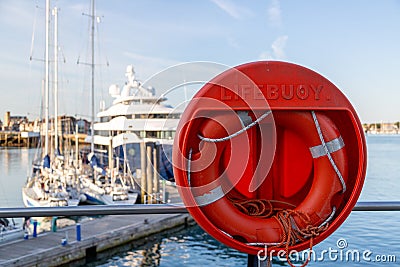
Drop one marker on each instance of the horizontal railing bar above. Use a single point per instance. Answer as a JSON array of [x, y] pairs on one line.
[[377, 206], [148, 209], [92, 210]]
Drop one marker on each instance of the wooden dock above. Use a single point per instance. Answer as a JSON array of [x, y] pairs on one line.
[[97, 235], [19, 139]]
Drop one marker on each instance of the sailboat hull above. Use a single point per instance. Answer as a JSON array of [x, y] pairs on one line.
[[30, 200]]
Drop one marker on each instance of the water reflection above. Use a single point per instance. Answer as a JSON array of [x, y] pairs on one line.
[[15, 163], [188, 247], [144, 257]]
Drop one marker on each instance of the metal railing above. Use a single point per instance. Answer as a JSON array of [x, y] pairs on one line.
[[149, 209]]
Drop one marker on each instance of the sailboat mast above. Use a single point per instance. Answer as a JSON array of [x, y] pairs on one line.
[[55, 13], [46, 147], [92, 67]]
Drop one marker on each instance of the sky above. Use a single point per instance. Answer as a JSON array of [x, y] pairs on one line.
[[354, 44]]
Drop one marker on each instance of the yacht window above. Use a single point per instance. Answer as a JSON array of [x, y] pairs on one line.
[[152, 134], [104, 119]]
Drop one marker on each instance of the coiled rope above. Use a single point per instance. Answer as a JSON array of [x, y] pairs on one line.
[[292, 234]]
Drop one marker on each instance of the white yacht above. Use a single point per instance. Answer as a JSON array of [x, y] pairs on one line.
[[136, 115]]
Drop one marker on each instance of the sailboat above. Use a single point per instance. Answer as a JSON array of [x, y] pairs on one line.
[[106, 190], [47, 186], [98, 185]]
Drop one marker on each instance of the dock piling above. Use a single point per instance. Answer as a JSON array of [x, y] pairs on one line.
[[156, 164], [143, 181], [149, 172]]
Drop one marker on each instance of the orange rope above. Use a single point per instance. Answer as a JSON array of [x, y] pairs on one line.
[[255, 207], [285, 217], [292, 234]]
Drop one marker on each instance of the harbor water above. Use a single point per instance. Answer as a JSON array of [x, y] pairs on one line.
[[365, 239]]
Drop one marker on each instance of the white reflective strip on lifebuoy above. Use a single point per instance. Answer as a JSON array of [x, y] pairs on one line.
[[334, 145], [210, 197]]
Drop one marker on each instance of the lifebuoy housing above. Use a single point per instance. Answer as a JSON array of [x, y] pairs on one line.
[[293, 197]]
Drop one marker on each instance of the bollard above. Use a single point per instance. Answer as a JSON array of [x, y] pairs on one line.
[[78, 232], [35, 223], [64, 241], [54, 224]]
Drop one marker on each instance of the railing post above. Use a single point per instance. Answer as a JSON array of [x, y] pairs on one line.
[[255, 261], [78, 232], [35, 223]]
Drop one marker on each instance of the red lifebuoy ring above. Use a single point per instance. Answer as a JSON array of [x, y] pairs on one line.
[[223, 145], [324, 195]]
